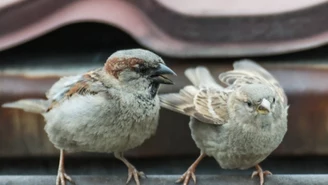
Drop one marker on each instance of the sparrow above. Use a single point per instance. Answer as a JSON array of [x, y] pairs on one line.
[[238, 124], [110, 109]]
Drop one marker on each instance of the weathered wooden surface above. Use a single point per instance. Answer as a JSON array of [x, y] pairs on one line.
[[22, 133], [170, 180]]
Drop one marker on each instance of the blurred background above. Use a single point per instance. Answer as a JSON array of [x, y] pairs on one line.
[[41, 40]]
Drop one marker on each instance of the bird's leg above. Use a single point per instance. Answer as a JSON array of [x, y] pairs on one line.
[[260, 173], [132, 171], [191, 171], [62, 176]]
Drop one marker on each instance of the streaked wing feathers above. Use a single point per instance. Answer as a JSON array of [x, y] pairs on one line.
[[212, 104], [206, 105], [181, 102], [67, 87]]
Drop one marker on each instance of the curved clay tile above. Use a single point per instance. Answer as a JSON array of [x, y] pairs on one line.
[[236, 7], [168, 31]]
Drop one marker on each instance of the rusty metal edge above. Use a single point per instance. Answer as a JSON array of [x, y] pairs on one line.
[[147, 22]]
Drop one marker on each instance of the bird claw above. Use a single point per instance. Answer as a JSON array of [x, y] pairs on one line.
[[261, 175], [136, 174], [186, 177], [62, 177]]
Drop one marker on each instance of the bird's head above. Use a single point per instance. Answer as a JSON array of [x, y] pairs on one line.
[[139, 69], [254, 101]]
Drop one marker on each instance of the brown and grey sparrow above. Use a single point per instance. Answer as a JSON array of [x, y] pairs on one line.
[[110, 109]]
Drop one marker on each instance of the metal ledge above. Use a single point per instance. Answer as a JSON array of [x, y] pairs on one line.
[[170, 179]]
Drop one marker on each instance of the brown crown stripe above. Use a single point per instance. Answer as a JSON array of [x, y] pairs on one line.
[[115, 65]]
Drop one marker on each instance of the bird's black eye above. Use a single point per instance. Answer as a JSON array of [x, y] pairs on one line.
[[273, 100], [140, 68], [249, 104]]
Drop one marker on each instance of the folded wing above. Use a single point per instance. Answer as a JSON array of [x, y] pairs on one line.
[[205, 100]]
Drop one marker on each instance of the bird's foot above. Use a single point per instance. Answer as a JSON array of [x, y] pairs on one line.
[[136, 174], [259, 172], [186, 176], [62, 177]]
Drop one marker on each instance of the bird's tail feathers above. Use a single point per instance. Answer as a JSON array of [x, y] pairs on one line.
[[200, 77], [29, 105]]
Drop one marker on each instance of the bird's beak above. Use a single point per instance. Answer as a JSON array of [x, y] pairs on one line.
[[157, 74], [264, 107]]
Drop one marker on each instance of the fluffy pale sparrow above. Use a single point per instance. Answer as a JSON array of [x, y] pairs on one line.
[[239, 125], [110, 109]]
